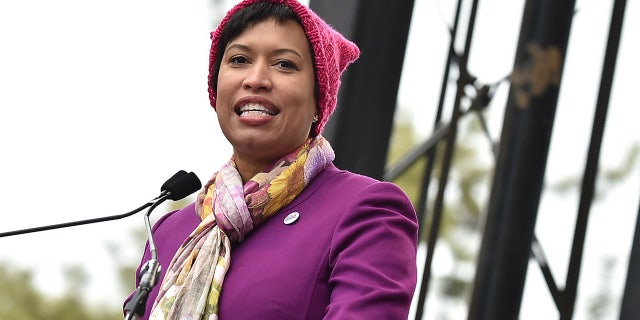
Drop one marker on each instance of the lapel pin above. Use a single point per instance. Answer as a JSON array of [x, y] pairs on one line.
[[291, 217]]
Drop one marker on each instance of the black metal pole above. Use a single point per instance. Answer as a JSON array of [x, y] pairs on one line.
[[450, 141], [438, 125], [360, 128], [591, 169], [521, 163], [630, 309]]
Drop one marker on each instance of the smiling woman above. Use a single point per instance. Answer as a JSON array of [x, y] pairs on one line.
[[280, 207], [265, 96]]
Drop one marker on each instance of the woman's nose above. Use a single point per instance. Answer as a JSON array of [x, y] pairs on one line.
[[257, 77]]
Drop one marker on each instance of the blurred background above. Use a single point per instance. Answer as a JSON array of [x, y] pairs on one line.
[[102, 101]]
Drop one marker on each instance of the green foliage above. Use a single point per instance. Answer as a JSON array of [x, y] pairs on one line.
[[21, 300], [402, 140]]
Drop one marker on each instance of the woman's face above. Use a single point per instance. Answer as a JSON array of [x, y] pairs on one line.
[[265, 101]]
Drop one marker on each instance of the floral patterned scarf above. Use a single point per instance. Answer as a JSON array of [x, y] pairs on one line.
[[228, 212]]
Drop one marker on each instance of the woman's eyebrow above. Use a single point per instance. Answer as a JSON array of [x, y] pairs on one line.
[[246, 48], [239, 46], [285, 50]]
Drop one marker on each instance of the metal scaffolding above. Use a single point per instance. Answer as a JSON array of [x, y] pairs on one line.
[[368, 101]]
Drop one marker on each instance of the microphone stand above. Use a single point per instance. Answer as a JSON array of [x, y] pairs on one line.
[[177, 187], [149, 275], [81, 222], [135, 308]]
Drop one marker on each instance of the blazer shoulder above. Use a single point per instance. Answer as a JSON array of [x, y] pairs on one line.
[[353, 183], [177, 222]]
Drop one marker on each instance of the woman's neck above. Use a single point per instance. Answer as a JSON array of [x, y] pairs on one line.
[[249, 168]]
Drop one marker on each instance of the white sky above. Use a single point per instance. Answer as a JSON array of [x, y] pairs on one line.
[[101, 101]]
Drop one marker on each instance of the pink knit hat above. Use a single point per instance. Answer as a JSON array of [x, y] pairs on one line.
[[333, 53]]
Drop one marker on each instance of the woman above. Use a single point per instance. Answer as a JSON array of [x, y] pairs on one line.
[[279, 232]]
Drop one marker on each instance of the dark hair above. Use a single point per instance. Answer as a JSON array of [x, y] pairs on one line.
[[252, 15]]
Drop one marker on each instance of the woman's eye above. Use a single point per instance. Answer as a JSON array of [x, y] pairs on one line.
[[286, 64], [238, 60]]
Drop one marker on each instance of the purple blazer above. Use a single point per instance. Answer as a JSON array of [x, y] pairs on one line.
[[351, 254]]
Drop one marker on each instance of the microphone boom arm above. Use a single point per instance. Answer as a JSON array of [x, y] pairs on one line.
[[177, 187], [78, 223]]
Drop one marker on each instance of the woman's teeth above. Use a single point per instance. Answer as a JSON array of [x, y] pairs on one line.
[[254, 110]]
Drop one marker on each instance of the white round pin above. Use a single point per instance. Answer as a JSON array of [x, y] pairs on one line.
[[291, 217]]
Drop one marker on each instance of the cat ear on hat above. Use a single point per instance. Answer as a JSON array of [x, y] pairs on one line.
[[348, 52]]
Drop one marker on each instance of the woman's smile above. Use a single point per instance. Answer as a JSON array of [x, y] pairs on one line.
[[255, 110]]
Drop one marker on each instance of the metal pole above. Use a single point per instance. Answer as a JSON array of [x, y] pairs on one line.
[[360, 128], [591, 169], [451, 130], [519, 172], [630, 307]]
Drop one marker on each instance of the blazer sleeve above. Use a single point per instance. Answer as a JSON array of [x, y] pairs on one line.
[[373, 270]]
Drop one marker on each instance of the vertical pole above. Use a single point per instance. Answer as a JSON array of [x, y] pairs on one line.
[[630, 307], [521, 163], [568, 300], [360, 128], [464, 80]]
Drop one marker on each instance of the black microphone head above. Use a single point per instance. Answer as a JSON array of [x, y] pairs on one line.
[[182, 185], [171, 180]]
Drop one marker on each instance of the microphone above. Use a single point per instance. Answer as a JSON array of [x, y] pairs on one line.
[[177, 187], [180, 185]]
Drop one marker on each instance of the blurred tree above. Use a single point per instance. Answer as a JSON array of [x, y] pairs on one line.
[[21, 300]]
